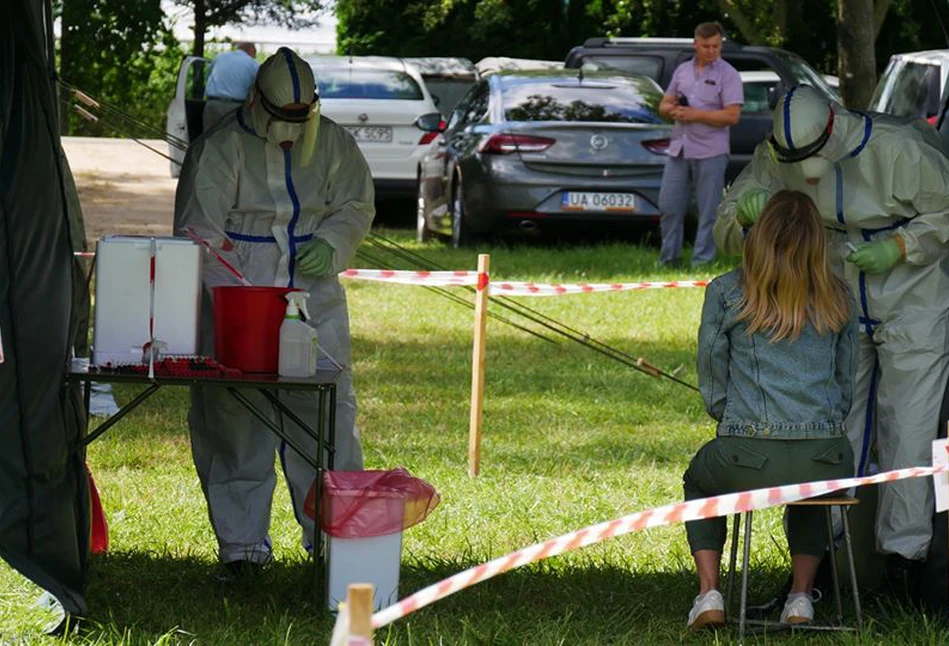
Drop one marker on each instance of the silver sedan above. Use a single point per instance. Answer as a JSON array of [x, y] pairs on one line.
[[526, 149]]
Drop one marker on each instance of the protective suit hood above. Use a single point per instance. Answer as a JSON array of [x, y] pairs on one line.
[[812, 133], [285, 79], [802, 124]]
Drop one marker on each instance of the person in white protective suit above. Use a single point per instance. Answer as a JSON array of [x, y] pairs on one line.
[[880, 186], [286, 196]]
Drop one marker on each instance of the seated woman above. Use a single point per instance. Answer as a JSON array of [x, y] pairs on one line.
[[775, 366]]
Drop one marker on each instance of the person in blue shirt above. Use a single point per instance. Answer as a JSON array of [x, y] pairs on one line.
[[776, 354], [232, 75]]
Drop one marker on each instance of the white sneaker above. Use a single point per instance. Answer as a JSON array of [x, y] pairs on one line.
[[799, 609], [708, 611]]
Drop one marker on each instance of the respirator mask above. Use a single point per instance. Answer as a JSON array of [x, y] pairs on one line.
[[284, 104]]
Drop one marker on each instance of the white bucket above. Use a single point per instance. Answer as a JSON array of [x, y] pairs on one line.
[[373, 560]]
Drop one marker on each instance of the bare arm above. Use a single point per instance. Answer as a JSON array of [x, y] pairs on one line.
[[666, 107], [727, 116]]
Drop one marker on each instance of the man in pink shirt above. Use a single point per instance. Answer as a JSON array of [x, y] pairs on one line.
[[704, 98]]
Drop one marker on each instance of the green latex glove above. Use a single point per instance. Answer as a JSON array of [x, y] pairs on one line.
[[877, 257], [750, 205], [315, 258]]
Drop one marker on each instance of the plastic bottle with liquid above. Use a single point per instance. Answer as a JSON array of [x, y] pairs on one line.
[[298, 349]]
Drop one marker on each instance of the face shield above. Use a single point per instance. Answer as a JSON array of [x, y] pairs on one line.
[[284, 105], [803, 133]]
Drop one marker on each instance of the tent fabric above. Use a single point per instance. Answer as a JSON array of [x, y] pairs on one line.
[[44, 495]]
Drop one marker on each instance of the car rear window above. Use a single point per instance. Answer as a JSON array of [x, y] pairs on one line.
[[650, 66], [757, 95], [367, 84], [908, 89], [802, 72], [615, 100], [447, 92]]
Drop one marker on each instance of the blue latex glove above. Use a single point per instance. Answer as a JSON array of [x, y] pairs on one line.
[[315, 258], [750, 205], [877, 257]]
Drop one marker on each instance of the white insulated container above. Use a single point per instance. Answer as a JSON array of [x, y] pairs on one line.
[[374, 560], [123, 297]]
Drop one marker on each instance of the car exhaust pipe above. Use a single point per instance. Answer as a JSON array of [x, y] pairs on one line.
[[527, 225]]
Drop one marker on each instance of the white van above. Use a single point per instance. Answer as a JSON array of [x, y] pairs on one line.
[[912, 85]]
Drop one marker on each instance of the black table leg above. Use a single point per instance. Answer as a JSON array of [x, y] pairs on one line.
[[317, 434], [123, 411], [296, 446], [319, 580]]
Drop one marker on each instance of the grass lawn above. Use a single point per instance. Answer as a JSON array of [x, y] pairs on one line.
[[571, 438]]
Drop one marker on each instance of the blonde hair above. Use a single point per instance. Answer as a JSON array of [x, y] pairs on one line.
[[785, 275]]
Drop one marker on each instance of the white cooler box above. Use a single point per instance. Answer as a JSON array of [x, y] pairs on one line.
[[123, 297], [374, 560]]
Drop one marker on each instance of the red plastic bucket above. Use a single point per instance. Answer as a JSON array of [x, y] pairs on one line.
[[247, 326]]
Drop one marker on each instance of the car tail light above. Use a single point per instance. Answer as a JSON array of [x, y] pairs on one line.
[[504, 144], [427, 138], [431, 130], [432, 124], [657, 146]]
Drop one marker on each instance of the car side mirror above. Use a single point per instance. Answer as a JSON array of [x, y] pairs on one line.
[[431, 122], [773, 94]]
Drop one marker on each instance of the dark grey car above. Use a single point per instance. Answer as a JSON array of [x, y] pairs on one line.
[[524, 149]]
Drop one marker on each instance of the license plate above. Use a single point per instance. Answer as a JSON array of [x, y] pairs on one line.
[[587, 201], [381, 134]]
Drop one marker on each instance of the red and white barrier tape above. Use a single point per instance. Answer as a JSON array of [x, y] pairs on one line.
[[554, 289], [507, 288], [676, 513], [436, 278]]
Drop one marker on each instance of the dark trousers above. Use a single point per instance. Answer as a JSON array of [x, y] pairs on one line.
[[707, 177], [730, 464]]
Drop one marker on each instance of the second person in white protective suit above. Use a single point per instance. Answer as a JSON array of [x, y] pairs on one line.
[[880, 186], [286, 196]]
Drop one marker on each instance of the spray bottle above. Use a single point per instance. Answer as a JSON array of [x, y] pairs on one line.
[[298, 349]]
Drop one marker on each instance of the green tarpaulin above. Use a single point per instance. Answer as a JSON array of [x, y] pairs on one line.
[[44, 504]]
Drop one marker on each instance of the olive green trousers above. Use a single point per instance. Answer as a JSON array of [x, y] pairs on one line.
[[730, 464]]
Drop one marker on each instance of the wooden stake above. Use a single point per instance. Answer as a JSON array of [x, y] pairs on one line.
[[359, 602], [477, 366]]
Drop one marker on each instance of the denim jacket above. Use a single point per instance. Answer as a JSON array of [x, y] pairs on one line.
[[755, 387]]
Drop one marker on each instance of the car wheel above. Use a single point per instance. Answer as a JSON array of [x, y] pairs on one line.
[[460, 233], [422, 232]]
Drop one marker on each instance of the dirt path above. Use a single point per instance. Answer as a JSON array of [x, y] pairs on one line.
[[127, 189], [124, 188]]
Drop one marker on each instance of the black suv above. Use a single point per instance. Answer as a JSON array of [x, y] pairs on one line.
[[658, 58]]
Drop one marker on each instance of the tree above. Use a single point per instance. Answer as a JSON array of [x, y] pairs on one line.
[[760, 23], [122, 53], [216, 13], [857, 29], [857, 24]]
